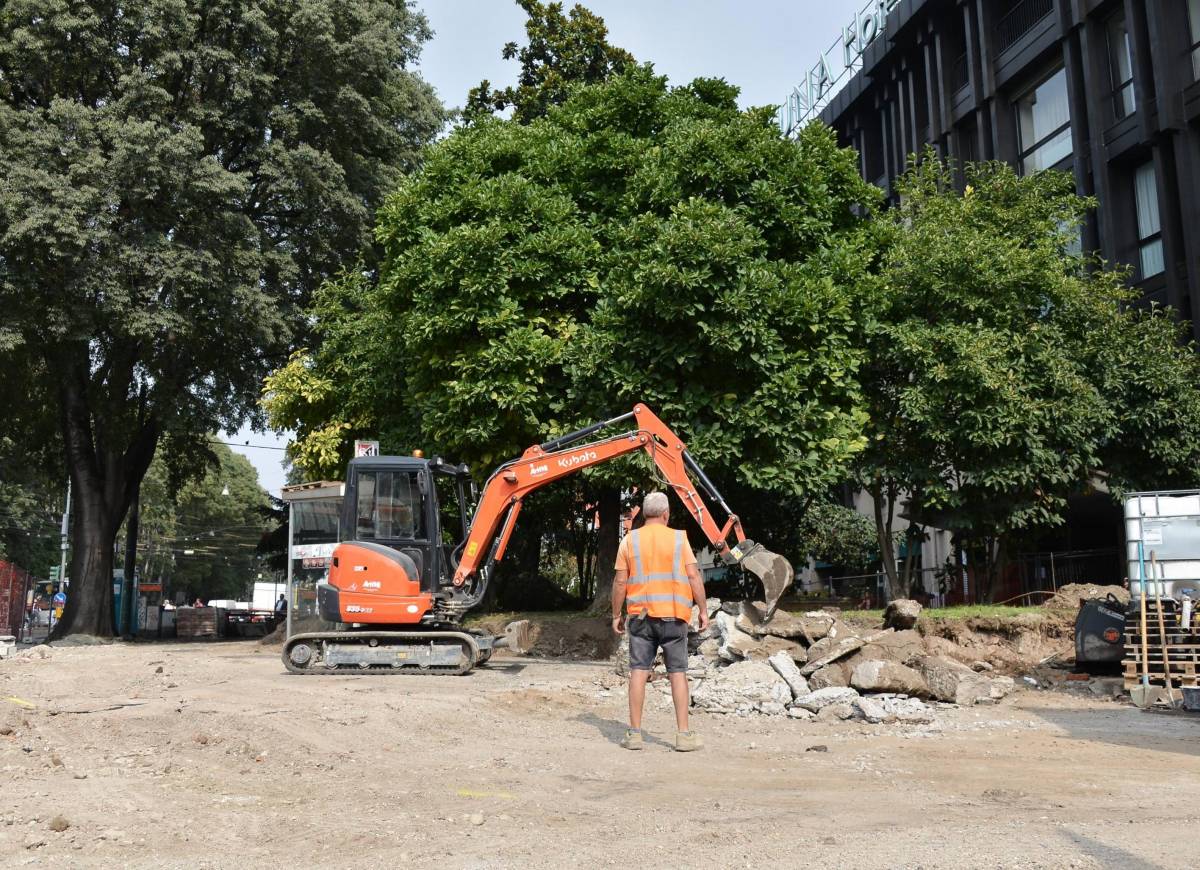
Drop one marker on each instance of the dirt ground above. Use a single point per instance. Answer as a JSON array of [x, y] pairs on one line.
[[221, 760]]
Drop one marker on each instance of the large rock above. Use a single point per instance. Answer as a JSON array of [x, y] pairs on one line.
[[832, 675], [815, 701], [901, 614], [877, 676], [949, 680], [785, 666], [741, 687]]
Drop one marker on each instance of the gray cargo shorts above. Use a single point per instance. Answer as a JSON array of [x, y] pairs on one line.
[[648, 634]]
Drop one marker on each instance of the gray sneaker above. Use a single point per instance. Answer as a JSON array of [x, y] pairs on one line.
[[633, 740], [687, 741]]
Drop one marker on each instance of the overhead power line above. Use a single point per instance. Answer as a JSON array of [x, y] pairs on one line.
[[245, 444]]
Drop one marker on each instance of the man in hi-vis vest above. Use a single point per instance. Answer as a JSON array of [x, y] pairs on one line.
[[657, 581]]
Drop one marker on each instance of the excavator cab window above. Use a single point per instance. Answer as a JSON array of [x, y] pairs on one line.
[[390, 506]]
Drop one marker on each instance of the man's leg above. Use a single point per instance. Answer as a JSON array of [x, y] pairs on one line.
[[637, 697], [679, 694]]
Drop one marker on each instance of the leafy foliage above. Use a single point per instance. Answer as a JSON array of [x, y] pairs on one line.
[[1007, 374], [564, 51], [179, 175], [202, 538], [838, 535], [637, 243]]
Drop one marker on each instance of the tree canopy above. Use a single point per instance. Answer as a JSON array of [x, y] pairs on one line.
[[179, 175], [202, 537], [639, 243], [1006, 373], [564, 51]]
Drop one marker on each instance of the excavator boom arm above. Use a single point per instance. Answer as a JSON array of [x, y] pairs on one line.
[[541, 464]]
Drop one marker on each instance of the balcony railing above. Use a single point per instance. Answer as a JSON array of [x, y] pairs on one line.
[[960, 73], [1022, 19]]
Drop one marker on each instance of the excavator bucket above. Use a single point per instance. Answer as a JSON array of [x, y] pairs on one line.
[[773, 570]]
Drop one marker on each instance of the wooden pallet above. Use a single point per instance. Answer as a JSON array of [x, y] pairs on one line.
[[1182, 664]]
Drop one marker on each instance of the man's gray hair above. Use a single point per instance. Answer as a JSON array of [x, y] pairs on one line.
[[655, 504]]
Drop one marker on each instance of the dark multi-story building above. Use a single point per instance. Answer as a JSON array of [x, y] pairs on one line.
[[1108, 90]]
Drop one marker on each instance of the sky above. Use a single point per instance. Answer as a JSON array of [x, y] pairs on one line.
[[765, 47]]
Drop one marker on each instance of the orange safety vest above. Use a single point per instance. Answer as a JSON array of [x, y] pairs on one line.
[[660, 590]]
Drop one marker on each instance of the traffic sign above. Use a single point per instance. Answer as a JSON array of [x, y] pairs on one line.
[[54, 574], [366, 448]]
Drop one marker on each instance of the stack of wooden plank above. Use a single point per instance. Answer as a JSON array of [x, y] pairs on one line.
[[1181, 663], [196, 622]]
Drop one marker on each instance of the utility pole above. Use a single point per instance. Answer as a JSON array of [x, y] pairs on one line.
[[130, 616], [62, 562]]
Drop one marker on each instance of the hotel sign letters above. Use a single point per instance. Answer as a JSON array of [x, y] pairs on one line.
[[807, 98]]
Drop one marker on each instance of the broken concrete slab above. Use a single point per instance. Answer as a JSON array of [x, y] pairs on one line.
[[878, 676], [808, 629], [1002, 687], [814, 701], [735, 643], [770, 645], [904, 647], [785, 666], [832, 675], [908, 710], [951, 681], [873, 711], [740, 687], [838, 712], [836, 648], [901, 614]]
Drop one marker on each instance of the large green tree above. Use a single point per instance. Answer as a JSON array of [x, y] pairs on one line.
[[202, 537], [637, 243], [1007, 373], [178, 176], [564, 50]]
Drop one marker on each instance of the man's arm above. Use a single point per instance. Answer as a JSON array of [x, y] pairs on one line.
[[697, 584], [620, 581]]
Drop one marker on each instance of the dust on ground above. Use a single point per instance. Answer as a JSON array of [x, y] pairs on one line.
[[210, 755]]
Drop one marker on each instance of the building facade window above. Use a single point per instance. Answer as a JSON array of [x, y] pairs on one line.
[[1194, 24], [1120, 67], [1044, 124], [1150, 245]]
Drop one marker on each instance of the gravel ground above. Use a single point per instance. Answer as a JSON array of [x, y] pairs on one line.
[[209, 755]]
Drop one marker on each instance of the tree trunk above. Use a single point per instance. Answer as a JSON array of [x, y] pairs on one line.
[[105, 471], [883, 533], [606, 547], [89, 607]]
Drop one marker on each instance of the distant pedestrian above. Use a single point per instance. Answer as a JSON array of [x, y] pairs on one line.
[[657, 582], [281, 607]]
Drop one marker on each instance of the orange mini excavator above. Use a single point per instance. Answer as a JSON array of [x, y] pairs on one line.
[[400, 595]]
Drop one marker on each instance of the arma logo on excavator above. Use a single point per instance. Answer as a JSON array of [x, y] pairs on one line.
[[577, 459], [535, 470]]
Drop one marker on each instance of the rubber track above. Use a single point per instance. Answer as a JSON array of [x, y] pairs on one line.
[[379, 670]]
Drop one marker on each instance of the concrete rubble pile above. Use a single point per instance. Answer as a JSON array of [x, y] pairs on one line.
[[817, 666]]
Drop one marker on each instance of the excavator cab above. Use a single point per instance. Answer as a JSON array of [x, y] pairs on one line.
[[393, 558]]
